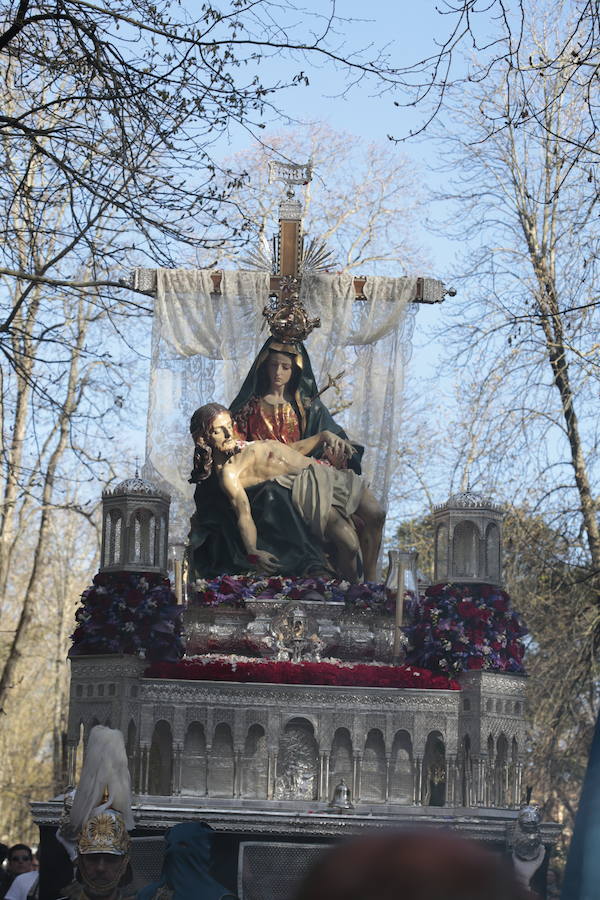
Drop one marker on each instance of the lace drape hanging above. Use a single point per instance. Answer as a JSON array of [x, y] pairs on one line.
[[203, 345]]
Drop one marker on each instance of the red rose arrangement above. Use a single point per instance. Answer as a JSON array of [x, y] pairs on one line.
[[275, 672], [460, 627]]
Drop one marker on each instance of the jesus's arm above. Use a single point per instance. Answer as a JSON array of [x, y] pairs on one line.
[[241, 506], [339, 447]]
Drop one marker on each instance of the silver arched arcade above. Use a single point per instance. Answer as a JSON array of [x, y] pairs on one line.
[[276, 745]]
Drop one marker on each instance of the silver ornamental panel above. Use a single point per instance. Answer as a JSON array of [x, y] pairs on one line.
[[274, 870]]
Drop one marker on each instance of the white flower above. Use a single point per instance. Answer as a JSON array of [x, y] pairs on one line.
[[344, 585]]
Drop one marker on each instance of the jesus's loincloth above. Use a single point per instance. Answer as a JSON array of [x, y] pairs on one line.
[[316, 489]]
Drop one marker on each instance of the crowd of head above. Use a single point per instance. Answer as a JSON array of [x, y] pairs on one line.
[[421, 865], [412, 865], [405, 865], [17, 861]]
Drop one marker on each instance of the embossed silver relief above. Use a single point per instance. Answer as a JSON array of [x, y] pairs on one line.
[[264, 628], [294, 633], [297, 763]]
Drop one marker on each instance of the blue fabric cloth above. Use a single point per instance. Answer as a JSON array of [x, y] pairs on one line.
[[186, 866], [582, 873]]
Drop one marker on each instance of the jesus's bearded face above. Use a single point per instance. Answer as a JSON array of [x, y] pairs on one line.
[[220, 434]]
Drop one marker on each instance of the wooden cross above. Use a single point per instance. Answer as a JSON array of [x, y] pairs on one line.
[[290, 244]]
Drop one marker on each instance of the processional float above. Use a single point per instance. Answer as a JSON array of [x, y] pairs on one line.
[[288, 709]]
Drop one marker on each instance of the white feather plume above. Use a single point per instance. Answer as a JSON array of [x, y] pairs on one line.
[[104, 768]]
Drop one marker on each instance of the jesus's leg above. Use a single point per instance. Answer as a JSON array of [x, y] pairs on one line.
[[373, 515], [342, 535]]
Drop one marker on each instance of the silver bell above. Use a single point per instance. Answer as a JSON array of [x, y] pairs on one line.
[[341, 797]]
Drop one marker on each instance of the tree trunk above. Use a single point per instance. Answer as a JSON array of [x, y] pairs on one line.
[[30, 595]]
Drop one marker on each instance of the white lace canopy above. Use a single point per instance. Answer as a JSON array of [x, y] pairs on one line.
[[203, 345]]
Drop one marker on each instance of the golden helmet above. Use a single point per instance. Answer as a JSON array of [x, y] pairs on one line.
[[104, 832]]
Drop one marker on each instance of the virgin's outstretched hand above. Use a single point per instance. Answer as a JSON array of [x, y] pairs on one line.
[[337, 450]]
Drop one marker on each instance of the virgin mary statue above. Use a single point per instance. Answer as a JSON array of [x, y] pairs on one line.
[[278, 400]]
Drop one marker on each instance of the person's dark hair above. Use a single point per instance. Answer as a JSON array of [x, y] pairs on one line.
[[200, 424], [263, 382], [19, 847], [420, 865]]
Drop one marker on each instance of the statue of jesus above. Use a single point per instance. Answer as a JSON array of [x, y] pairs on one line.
[[325, 497]]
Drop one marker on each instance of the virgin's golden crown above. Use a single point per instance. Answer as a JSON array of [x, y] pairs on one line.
[[287, 317]]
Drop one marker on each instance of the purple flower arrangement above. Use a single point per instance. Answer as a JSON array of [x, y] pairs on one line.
[[460, 627], [127, 612], [235, 590]]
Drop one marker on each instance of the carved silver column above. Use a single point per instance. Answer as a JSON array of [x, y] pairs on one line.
[[324, 779], [136, 766], [517, 784], [208, 755], [469, 787], [237, 773], [269, 774], [356, 761], [388, 760], [145, 768], [450, 799], [481, 774], [490, 782], [322, 787], [418, 781], [177, 764], [272, 774]]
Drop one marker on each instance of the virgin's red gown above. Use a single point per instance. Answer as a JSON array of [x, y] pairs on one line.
[[258, 420]]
